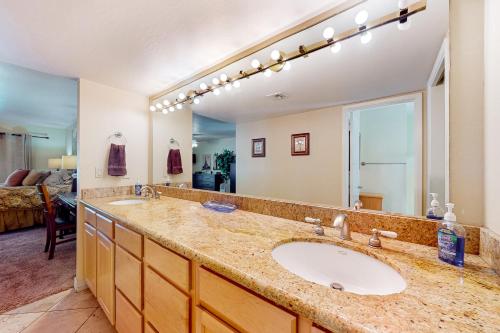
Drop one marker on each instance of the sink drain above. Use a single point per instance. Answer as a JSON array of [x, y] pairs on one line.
[[336, 286]]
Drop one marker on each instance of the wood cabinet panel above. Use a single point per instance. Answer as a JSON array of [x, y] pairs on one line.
[[148, 328], [128, 276], [172, 266], [129, 240], [90, 217], [207, 323], [106, 275], [128, 319], [165, 307], [89, 257], [317, 330], [105, 226], [240, 308]]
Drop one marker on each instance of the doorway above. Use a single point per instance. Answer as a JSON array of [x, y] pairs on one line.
[[384, 154]]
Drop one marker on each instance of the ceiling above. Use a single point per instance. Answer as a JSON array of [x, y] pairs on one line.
[[31, 98], [394, 62], [205, 129], [143, 46]]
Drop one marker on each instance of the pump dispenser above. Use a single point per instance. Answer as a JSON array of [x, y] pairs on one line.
[[434, 212], [451, 238]]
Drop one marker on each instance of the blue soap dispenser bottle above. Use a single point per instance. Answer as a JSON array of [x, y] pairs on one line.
[[434, 212], [451, 239]]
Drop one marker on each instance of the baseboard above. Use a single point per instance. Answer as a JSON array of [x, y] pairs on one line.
[[79, 285]]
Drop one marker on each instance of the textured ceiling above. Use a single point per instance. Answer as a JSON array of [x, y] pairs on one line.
[[143, 46], [31, 98]]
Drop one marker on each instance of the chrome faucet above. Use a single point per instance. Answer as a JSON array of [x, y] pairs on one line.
[[341, 223], [374, 241], [151, 192], [358, 204], [318, 229]]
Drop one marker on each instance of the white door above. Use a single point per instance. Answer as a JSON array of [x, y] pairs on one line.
[[354, 157]]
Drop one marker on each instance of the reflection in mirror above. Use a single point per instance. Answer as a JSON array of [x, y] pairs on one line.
[[363, 118]]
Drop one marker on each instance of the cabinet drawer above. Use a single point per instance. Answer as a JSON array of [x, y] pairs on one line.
[[129, 240], [206, 323], [148, 328], [128, 276], [105, 226], [315, 329], [238, 307], [165, 307], [90, 217], [128, 319], [172, 266]]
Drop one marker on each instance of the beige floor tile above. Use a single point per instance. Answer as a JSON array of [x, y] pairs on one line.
[[81, 300], [97, 323], [41, 305], [15, 323], [67, 321]]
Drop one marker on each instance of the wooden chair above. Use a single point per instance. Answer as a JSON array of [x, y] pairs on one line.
[[54, 223]]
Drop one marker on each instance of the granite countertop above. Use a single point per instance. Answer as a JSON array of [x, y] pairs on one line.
[[238, 245]]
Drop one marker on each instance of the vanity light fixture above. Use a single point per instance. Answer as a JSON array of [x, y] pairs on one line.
[[281, 60], [196, 100], [164, 111], [328, 33], [171, 109], [166, 102], [336, 47]]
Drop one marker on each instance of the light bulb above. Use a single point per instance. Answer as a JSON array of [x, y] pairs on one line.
[[223, 77], [182, 96], [217, 92], [276, 55], [366, 37], [268, 72], [403, 4], [203, 86], [236, 84], [152, 108], [255, 63], [171, 109], [164, 111], [179, 106], [336, 47], [166, 102], [404, 26], [328, 33], [196, 100], [287, 66], [361, 17], [215, 81], [158, 105], [228, 87]]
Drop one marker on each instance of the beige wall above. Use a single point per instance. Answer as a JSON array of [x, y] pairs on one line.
[[102, 111], [466, 110], [315, 178], [177, 125], [492, 114]]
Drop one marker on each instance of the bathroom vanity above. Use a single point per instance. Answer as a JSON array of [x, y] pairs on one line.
[[170, 265]]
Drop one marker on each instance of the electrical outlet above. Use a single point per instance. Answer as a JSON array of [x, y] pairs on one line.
[[98, 172]]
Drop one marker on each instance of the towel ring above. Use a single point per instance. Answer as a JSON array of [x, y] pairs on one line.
[[117, 135], [174, 142]]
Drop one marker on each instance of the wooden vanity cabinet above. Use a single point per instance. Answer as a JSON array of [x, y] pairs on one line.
[[90, 257], [207, 323], [106, 275]]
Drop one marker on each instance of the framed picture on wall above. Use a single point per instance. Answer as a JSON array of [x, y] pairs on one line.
[[207, 162], [259, 147], [300, 144]]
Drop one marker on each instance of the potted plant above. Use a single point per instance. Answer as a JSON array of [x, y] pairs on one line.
[[223, 163]]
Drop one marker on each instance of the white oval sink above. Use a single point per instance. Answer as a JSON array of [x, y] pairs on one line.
[[127, 202], [326, 264]]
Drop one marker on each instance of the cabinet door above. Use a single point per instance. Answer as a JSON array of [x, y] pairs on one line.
[[206, 323], [89, 259], [128, 319], [106, 275], [165, 307]]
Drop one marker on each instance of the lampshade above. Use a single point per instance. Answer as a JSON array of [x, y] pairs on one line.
[[69, 162], [55, 163]]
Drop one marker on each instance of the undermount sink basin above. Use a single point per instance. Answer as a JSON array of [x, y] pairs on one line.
[[339, 268], [127, 202]]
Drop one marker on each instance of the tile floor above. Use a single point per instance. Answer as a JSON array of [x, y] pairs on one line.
[[65, 312]]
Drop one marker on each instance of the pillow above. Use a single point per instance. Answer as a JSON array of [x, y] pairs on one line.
[[33, 177], [16, 178], [58, 178]]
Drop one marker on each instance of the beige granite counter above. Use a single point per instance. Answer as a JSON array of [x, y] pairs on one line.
[[238, 245]]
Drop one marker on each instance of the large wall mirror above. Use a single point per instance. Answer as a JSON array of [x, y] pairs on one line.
[[364, 119]]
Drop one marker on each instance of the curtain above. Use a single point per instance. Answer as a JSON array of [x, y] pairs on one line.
[[15, 153]]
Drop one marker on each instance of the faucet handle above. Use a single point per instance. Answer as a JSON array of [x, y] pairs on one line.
[[374, 241], [338, 222], [318, 229]]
